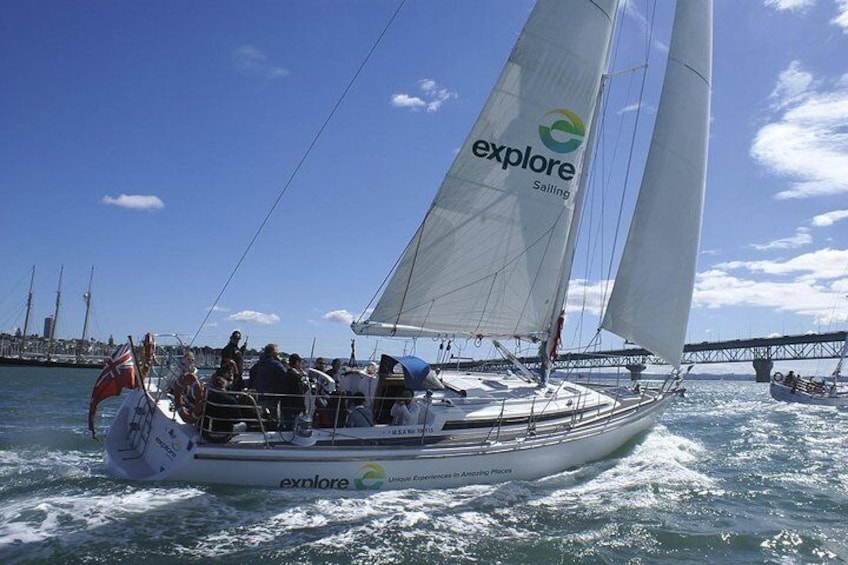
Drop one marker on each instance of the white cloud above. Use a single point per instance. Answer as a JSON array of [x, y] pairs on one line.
[[339, 316], [252, 317], [811, 294], [829, 218], [792, 5], [431, 99], [217, 308], [587, 296], [632, 108], [801, 238], [407, 101], [134, 201], [793, 84], [252, 61], [842, 17], [823, 264], [805, 141]]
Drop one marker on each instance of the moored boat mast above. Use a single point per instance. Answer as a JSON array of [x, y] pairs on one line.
[[87, 298], [28, 312], [55, 314]]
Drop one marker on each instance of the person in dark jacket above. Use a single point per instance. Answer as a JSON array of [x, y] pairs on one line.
[[234, 353], [267, 377], [222, 412], [294, 386]]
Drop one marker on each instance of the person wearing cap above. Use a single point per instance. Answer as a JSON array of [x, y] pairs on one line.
[[234, 353]]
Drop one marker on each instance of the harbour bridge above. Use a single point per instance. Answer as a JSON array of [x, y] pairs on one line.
[[760, 352]]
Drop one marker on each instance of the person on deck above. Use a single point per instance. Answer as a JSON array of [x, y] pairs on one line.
[[335, 369], [234, 353], [294, 386], [268, 376], [360, 415], [223, 412], [368, 383], [405, 410]]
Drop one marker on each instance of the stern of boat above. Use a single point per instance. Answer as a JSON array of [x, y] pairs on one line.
[[144, 443]]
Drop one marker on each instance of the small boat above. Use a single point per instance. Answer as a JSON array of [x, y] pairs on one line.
[[822, 391], [490, 261]]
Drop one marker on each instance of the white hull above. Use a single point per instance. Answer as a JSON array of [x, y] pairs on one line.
[[785, 393], [174, 451]]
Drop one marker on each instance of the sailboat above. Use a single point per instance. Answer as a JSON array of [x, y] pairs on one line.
[[822, 391], [490, 261], [22, 357]]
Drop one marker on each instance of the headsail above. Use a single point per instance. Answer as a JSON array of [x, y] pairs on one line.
[[652, 295], [486, 260]]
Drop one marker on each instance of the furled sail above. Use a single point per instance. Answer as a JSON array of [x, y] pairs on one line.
[[650, 301], [486, 260]]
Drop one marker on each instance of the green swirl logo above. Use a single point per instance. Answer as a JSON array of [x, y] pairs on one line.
[[370, 477], [568, 125]]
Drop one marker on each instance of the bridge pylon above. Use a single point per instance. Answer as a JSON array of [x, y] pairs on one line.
[[636, 370], [763, 367]]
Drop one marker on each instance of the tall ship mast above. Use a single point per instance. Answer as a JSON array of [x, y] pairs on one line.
[[55, 314]]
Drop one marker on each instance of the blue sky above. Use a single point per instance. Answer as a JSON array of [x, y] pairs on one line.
[[151, 139]]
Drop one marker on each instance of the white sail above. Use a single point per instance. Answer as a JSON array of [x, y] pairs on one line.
[[487, 257], [652, 295]]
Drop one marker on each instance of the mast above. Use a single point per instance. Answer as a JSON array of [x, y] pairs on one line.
[[558, 305], [55, 314], [28, 312], [842, 355], [87, 298]]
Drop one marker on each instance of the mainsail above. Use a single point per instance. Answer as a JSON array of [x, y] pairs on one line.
[[487, 258], [652, 295]]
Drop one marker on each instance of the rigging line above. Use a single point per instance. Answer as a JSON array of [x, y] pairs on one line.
[[388, 275], [297, 167], [605, 182], [632, 142]]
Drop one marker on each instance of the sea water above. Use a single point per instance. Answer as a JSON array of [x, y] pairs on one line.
[[728, 476]]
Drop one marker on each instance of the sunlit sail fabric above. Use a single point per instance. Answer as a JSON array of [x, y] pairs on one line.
[[487, 257], [652, 295]]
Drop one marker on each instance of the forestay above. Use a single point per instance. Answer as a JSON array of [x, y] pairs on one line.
[[652, 295], [487, 258]]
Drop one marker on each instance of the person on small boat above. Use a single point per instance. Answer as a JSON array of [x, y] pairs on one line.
[[360, 415], [232, 352], [405, 410], [790, 378]]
